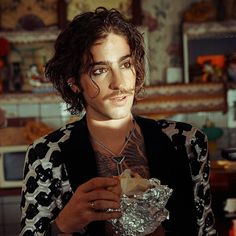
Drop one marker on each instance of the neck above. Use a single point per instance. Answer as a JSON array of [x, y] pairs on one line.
[[112, 133], [102, 128]]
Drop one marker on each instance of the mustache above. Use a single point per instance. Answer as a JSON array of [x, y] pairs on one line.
[[120, 92]]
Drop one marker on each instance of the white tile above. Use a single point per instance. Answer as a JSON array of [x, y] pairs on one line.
[[63, 109], [197, 119], [11, 110], [54, 123], [219, 119], [70, 119], [178, 117], [29, 110], [231, 117], [200, 118], [231, 97], [50, 110]]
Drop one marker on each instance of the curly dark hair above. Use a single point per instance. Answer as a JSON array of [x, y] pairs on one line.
[[72, 51]]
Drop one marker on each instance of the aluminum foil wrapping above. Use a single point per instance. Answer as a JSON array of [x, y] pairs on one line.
[[144, 212]]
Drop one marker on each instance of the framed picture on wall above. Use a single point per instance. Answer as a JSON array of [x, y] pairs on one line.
[[206, 50], [28, 14], [130, 8]]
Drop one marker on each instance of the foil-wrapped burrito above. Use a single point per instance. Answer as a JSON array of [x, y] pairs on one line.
[[143, 204]]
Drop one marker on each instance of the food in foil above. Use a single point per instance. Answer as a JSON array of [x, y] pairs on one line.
[[143, 204]]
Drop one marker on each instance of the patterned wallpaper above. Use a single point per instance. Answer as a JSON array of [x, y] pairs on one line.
[[163, 20]]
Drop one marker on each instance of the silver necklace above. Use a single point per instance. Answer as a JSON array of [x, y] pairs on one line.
[[117, 158]]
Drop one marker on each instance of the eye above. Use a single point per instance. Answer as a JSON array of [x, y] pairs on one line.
[[126, 65], [99, 71]]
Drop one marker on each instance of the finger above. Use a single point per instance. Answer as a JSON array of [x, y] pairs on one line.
[[98, 182], [104, 205], [115, 189], [102, 194]]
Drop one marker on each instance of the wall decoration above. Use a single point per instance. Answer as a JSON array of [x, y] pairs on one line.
[[212, 43], [25, 61], [170, 99], [76, 7], [163, 19], [28, 14]]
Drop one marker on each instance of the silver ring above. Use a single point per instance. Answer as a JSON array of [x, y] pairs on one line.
[[92, 204]]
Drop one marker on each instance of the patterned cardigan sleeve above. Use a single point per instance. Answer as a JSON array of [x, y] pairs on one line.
[[45, 188], [196, 145]]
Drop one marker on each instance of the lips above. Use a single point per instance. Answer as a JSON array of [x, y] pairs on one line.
[[118, 98]]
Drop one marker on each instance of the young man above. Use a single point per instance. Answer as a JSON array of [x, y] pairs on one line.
[[98, 66]]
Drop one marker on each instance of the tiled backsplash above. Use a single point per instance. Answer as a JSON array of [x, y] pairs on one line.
[[219, 120], [55, 114], [225, 121], [52, 111]]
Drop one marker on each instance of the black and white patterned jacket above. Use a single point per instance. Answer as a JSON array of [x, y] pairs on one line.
[[177, 154]]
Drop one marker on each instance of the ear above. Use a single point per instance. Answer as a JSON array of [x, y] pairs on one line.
[[71, 83]]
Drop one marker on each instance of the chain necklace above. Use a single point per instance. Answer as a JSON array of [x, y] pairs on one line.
[[117, 158]]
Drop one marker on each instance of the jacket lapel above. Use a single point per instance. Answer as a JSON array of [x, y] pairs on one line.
[[81, 164], [170, 165], [158, 147], [79, 156]]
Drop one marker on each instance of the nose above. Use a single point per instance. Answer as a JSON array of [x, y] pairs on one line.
[[116, 79]]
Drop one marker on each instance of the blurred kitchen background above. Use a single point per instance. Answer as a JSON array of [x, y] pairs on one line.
[[190, 77]]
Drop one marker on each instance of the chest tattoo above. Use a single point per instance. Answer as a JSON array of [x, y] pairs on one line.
[[135, 158]]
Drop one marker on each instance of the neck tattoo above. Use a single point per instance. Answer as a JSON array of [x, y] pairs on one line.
[[117, 158]]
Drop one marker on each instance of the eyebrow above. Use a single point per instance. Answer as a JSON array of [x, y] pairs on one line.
[[108, 62]]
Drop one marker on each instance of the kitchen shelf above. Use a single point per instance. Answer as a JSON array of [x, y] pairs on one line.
[[29, 98], [36, 36]]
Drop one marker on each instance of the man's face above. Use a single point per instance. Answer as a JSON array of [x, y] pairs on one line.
[[108, 88]]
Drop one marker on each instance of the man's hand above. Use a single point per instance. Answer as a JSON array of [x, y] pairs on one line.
[[89, 203]]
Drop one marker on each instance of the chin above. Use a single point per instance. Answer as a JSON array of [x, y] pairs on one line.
[[110, 112], [119, 114], [119, 117]]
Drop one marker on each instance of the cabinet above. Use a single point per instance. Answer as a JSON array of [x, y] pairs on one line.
[[26, 54], [10, 212], [222, 181], [209, 52]]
